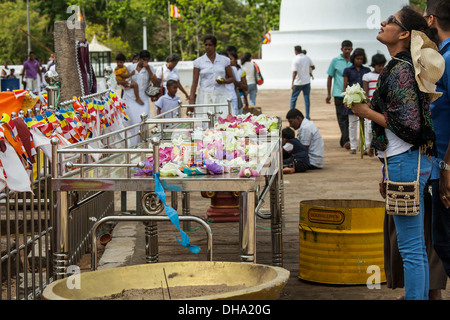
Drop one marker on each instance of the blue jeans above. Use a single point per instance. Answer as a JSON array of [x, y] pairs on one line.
[[410, 229], [295, 93], [440, 228], [252, 91]]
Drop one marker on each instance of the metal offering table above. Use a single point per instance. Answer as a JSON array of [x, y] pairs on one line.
[[113, 170]]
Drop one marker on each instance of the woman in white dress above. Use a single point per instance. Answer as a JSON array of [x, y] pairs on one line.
[[170, 72], [211, 72], [142, 75]]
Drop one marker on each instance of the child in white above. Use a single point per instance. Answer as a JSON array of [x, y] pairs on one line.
[[168, 101], [370, 81]]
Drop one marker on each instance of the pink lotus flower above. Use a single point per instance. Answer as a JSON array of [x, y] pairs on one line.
[[248, 172]]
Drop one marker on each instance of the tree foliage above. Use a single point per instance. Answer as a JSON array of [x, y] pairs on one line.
[[13, 42], [118, 24], [420, 4]]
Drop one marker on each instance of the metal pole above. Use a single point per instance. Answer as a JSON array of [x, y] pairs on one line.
[[186, 209], [52, 89], [144, 36], [151, 227], [60, 223], [28, 26], [247, 224], [147, 219], [170, 27]]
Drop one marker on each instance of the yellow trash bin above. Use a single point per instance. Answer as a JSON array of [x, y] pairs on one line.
[[341, 241]]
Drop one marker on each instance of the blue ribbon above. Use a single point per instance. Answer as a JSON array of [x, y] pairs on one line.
[[173, 215]]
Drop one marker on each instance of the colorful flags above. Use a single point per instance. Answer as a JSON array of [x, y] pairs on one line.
[[267, 38], [174, 12]]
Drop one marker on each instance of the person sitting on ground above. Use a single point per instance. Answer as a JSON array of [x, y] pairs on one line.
[[122, 76], [309, 136], [295, 155]]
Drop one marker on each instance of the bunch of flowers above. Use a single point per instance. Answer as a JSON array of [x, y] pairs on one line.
[[248, 124], [235, 144], [356, 94]]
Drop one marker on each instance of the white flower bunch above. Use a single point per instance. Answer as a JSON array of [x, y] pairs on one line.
[[354, 94]]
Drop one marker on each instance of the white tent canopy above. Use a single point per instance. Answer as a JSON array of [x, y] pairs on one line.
[[95, 46]]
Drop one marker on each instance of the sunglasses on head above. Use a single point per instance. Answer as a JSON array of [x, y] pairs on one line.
[[391, 19]]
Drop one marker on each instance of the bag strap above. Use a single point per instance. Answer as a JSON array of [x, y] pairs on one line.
[[386, 169]]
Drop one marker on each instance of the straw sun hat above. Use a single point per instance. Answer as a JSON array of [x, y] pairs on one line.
[[428, 63]]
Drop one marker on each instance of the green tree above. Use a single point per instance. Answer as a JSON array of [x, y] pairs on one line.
[[421, 4], [118, 24], [13, 41]]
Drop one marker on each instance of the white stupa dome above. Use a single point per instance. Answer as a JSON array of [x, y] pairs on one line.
[[319, 27]]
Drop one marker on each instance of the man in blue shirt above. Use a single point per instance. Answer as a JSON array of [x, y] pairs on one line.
[[437, 14], [336, 71]]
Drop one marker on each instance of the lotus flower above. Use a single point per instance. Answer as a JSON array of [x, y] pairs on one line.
[[354, 94], [213, 168], [171, 169], [248, 172]]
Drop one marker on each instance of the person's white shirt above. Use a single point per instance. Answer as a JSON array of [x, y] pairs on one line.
[[395, 146], [167, 74], [142, 78], [249, 69], [4, 72], [309, 136], [166, 103], [230, 86], [302, 64], [372, 79], [209, 72]]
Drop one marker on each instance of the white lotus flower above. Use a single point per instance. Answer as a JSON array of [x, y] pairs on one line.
[[354, 94]]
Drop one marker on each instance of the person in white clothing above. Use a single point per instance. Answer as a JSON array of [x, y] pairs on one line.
[[5, 71], [309, 136], [169, 71], [143, 73], [370, 81], [250, 76], [238, 84], [211, 72], [169, 101], [302, 67]]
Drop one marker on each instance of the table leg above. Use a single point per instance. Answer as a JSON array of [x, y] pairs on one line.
[[186, 209], [151, 242], [247, 227], [61, 235], [276, 194]]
